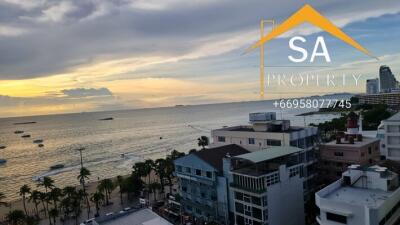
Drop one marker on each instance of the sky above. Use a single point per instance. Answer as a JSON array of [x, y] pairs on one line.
[[64, 56]]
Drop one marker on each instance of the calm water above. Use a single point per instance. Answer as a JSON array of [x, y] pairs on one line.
[[136, 133]]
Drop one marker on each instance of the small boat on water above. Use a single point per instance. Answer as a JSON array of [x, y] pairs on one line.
[[2, 161], [18, 132], [22, 123], [38, 141], [3, 146], [26, 136], [108, 118], [40, 145], [57, 166]]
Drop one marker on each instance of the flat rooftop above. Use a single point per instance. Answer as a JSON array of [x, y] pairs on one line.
[[372, 198], [141, 217], [249, 128], [269, 153], [365, 141]]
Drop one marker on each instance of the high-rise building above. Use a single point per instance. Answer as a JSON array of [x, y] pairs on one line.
[[266, 187], [372, 86], [391, 142], [364, 195], [387, 79], [265, 131]]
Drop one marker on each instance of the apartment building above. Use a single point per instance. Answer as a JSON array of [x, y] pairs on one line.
[[349, 148], [391, 99], [391, 141], [203, 188], [265, 131], [363, 196], [266, 187]]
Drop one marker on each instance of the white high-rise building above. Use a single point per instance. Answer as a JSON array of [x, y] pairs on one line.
[[265, 187], [265, 131], [363, 196], [391, 142]]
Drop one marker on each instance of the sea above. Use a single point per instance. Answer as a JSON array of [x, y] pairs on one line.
[[111, 147]]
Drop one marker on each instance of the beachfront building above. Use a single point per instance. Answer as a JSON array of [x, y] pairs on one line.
[[372, 86], [391, 99], [387, 79], [265, 131], [139, 217], [363, 196], [203, 188], [266, 187], [391, 141], [350, 148]]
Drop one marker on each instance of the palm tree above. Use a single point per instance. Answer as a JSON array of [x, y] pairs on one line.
[[175, 155], [97, 198], [159, 167], [35, 198], [16, 217], [55, 195], [169, 172], [84, 174], [107, 187], [3, 203], [47, 183], [203, 141], [120, 182], [153, 187], [43, 199], [53, 213], [23, 191]]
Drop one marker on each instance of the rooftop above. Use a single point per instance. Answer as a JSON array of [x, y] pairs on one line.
[[365, 141], [269, 153], [359, 196], [244, 128], [395, 117], [142, 217], [214, 156]]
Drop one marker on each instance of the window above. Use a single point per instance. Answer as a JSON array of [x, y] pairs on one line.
[[337, 218], [188, 170], [179, 168], [246, 198], [198, 172], [239, 196], [255, 200], [221, 139], [338, 153], [239, 207], [247, 210], [251, 141], [272, 142], [248, 221], [369, 150], [209, 174]]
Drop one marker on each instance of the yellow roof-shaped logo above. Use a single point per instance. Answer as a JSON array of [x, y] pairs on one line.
[[310, 15]]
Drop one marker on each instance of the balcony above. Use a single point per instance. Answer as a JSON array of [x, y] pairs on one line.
[[252, 190]]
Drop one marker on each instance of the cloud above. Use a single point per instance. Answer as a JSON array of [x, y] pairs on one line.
[[68, 34], [86, 92]]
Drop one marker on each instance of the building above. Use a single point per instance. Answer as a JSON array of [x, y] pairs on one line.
[[391, 141], [141, 217], [391, 99], [203, 188], [265, 131], [387, 80], [262, 183], [349, 148], [372, 86], [363, 196]]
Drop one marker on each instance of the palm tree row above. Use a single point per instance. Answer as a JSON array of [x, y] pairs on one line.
[[67, 203]]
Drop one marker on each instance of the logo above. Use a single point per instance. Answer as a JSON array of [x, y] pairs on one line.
[[306, 14]]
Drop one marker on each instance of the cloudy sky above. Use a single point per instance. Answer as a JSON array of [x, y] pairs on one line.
[[61, 56]]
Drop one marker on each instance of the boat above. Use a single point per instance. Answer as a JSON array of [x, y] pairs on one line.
[[2, 161], [3, 146], [57, 166], [18, 132], [108, 118], [38, 141], [122, 155], [26, 136], [22, 123], [40, 145]]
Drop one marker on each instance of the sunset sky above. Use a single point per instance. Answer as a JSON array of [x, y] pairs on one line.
[[62, 56]]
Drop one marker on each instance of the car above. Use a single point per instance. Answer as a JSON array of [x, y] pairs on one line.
[[110, 214]]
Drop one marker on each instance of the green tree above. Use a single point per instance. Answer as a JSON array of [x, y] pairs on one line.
[[160, 169], [16, 217], [106, 186], [97, 198], [53, 213], [24, 191], [203, 141], [35, 198], [154, 187], [82, 177], [120, 183]]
